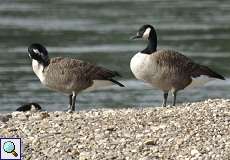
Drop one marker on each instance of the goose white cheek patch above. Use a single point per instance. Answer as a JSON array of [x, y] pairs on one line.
[[146, 33], [36, 51]]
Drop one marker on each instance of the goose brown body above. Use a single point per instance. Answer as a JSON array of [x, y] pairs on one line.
[[168, 69], [68, 75]]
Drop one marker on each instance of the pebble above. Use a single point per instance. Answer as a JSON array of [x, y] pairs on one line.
[[194, 152], [84, 156], [151, 142], [5, 118]]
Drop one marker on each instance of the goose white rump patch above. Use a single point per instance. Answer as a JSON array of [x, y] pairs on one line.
[[199, 81]]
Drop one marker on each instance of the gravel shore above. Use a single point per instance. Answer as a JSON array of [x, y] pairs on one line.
[[190, 131]]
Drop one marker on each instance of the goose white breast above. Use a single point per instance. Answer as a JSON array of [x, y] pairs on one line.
[[38, 70], [143, 67]]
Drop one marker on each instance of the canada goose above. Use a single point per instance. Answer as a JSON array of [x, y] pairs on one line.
[[167, 70], [29, 107], [67, 75]]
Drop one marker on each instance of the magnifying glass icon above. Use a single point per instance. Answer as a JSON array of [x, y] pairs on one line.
[[9, 147]]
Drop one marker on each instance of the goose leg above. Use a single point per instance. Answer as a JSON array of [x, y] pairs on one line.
[[73, 102], [165, 99], [70, 101], [174, 98]]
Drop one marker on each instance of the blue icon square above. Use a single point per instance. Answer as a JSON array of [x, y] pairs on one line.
[[10, 148]]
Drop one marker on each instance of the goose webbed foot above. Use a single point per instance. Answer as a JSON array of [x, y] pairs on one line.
[[69, 111]]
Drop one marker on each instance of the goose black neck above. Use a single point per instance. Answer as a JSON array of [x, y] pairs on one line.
[[152, 45], [46, 62]]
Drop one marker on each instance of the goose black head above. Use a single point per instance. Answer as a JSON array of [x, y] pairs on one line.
[[38, 52], [145, 32], [29, 107]]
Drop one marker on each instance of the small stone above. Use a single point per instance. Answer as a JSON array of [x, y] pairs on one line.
[[5, 118], [194, 152], [44, 115], [12, 129], [111, 129], [75, 152], [16, 114], [21, 116], [151, 142], [84, 156]]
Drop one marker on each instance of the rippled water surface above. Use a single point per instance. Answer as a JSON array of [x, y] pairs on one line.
[[98, 31]]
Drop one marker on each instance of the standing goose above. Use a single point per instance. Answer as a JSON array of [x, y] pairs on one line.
[[67, 75], [167, 70]]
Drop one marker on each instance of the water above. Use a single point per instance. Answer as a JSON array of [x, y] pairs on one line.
[[98, 31]]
